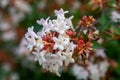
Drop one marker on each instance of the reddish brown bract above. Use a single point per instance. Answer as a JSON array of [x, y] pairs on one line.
[[86, 21]]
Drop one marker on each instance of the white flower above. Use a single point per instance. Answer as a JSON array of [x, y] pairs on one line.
[[39, 56], [53, 62], [85, 31], [54, 68], [70, 47], [60, 26], [60, 42], [69, 22], [47, 24], [115, 16], [31, 33], [31, 36], [103, 67], [43, 22], [69, 58], [80, 72], [40, 34], [100, 52], [94, 72], [31, 44], [60, 14]]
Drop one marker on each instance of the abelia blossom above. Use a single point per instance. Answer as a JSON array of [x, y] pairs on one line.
[[53, 62], [31, 36], [61, 41], [69, 58], [47, 24], [58, 44], [60, 14], [52, 46]]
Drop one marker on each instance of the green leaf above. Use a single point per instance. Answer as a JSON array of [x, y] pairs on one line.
[[111, 2], [96, 45], [104, 21], [118, 31]]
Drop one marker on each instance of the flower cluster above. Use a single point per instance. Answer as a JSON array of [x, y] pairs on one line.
[[52, 46], [59, 44], [86, 21], [92, 70]]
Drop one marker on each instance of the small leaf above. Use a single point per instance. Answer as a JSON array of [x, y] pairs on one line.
[[96, 45], [104, 21]]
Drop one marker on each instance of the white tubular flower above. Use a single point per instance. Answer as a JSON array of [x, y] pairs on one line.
[[60, 14], [53, 62], [31, 36], [54, 68], [30, 33], [70, 47], [80, 72], [39, 56], [69, 58], [31, 43], [60, 26], [47, 24], [60, 42], [69, 22], [43, 22]]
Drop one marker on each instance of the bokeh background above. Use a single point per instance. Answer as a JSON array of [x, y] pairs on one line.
[[17, 15]]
